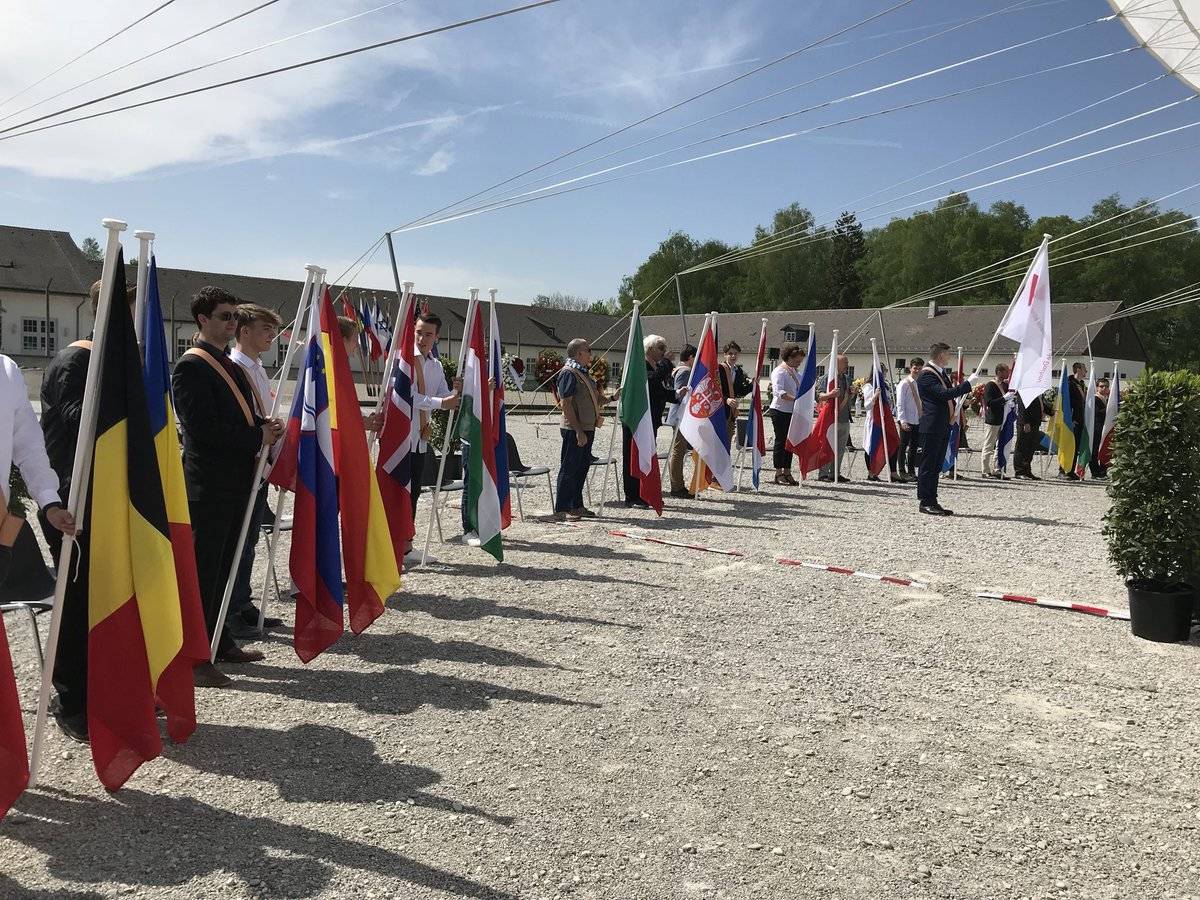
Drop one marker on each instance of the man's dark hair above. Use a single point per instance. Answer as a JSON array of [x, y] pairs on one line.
[[1078, 367], [789, 350], [938, 347], [431, 319], [732, 345], [916, 361], [94, 295], [209, 298], [688, 352]]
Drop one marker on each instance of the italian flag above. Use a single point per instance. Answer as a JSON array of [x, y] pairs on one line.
[[1084, 455], [634, 412], [477, 429]]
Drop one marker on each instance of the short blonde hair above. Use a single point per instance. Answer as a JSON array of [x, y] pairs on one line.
[[349, 328]]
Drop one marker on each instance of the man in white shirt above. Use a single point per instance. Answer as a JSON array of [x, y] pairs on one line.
[[255, 334], [908, 412], [430, 393]]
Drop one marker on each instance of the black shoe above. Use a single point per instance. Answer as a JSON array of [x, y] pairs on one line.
[[243, 630], [825, 478], [901, 479], [872, 478], [932, 509], [683, 493], [1068, 476], [73, 725], [639, 504], [842, 479], [206, 675], [249, 615]]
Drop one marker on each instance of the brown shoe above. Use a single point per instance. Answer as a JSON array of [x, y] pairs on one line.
[[208, 675], [240, 655]]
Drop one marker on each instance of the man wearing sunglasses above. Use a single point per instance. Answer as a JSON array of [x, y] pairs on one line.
[[224, 430]]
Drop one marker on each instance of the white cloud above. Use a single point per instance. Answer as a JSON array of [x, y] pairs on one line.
[[439, 162]]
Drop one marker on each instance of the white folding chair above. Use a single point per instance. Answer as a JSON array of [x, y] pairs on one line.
[[448, 488], [600, 464], [515, 479]]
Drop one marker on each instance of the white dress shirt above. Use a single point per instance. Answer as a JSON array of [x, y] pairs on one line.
[[261, 382], [784, 378], [908, 403], [21, 439], [436, 390]]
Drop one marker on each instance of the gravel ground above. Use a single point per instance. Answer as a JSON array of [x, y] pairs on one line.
[[608, 718]]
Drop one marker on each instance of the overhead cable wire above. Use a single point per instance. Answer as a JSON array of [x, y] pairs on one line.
[[71, 62]]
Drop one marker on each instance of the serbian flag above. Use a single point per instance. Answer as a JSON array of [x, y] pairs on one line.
[[882, 438], [373, 349], [1084, 452], [136, 631], [14, 759], [801, 424], [817, 448], [176, 693], [397, 438], [633, 409], [316, 558], [477, 429], [1110, 418], [705, 424], [1062, 426], [756, 441], [500, 421], [369, 557]]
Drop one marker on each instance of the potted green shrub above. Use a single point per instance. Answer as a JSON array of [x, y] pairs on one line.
[[1153, 525]]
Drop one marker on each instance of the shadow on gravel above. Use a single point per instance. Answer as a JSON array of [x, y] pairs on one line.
[[160, 841], [1026, 520], [524, 573], [10, 890], [590, 551], [393, 692], [409, 649], [467, 609], [315, 764]]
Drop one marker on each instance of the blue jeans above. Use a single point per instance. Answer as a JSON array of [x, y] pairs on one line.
[[241, 598], [573, 467]]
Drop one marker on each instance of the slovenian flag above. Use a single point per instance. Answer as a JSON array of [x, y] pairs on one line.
[[633, 410], [705, 424], [756, 441], [1110, 418], [882, 438], [500, 420], [477, 430]]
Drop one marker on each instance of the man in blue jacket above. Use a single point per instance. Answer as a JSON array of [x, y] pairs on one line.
[[937, 411]]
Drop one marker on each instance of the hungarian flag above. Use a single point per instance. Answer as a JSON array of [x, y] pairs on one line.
[[176, 693], [1110, 418], [882, 438], [1084, 454], [477, 430], [369, 557], [136, 630], [500, 420], [756, 441], [801, 424], [316, 558], [1062, 426], [398, 438], [705, 424], [633, 410], [817, 449], [14, 760]]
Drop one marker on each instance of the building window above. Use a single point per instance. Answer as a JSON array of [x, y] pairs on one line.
[[900, 363], [790, 335], [850, 372], [1056, 373], [765, 371], [33, 336], [614, 373], [182, 346], [772, 353], [820, 371]]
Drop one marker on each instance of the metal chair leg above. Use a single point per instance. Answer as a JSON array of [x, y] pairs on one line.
[[37, 637], [550, 485], [516, 483]]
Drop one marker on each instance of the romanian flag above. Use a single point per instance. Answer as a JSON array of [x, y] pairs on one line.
[[372, 569], [398, 436], [14, 760], [316, 559], [175, 690], [1062, 426], [136, 632]]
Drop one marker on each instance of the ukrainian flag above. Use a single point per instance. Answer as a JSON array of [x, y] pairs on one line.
[[135, 627], [1062, 427]]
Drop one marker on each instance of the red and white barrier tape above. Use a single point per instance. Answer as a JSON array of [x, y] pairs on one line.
[[1085, 608], [840, 570], [653, 540]]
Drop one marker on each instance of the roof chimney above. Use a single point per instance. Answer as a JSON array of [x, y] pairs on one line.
[[933, 309]]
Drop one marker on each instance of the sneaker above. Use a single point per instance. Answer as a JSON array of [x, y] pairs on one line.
[[413, 558], [471, 539]]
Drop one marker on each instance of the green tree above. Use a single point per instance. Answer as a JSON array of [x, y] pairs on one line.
[[702, 291], [91, 250], [847, 248]]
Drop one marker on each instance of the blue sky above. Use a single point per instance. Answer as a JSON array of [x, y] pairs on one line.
[[312, 166]]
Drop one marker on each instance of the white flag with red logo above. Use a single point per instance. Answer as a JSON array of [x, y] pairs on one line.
[[1028, 323]]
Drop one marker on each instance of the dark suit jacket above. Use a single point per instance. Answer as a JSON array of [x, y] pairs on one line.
[[662, 392], [219, 447], [63, 387], [1031, 415], [1078, 388], [936, 395]]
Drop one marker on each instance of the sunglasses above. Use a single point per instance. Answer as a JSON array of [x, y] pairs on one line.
[[223, 317]]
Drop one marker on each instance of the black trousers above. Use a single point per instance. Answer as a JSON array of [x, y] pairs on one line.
[[215, 527], [71, 661], [781, 420], [910, 440], [418, 472], [1027, 444], [933, 452], [631, 484], [892, 459]]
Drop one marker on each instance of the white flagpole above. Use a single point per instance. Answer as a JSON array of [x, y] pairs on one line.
[[617, 410], [837, 387], [450, 418], [139, 310], [314, 281], [81, 473]]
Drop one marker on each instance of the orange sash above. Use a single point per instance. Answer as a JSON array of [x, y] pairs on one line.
[[238, 395]]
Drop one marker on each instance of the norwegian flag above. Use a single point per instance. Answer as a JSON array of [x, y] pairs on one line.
[[398, 437]]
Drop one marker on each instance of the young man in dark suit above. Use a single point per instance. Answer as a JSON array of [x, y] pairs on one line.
[[937, 409], [222, 437]]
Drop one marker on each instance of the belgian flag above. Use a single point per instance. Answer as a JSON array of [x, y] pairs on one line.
[[134, 617]]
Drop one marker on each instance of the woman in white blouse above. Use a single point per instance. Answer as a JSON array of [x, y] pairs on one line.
[[785, 383]]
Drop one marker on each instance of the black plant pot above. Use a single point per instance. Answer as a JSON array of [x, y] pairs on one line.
[[1159, 612]]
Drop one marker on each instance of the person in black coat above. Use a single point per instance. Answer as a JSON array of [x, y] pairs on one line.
[[223, 433], [937, 408], [1077, 385], [658, 373], [1029, 437]]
